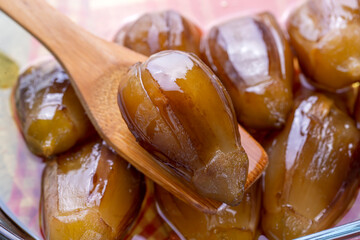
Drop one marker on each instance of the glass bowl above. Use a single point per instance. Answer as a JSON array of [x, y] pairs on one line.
[[20, 171]]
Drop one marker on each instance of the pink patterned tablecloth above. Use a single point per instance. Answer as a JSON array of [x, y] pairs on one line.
[[20, 172]]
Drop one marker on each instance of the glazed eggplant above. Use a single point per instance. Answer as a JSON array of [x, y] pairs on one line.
[[51, 117], [313, 171], [158, 31], [253, 60], [357, 111], [9, 71], [180, 112], [236, 223], [90, 193], [325, 35], [345, 99]]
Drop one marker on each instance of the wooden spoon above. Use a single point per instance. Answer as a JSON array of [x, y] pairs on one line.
[[96, 67]]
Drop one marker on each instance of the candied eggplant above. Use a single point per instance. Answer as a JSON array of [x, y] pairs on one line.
[[253, 60], [236, 223], [313, 170], [51, 117], [9, 71], [357, 110], [180, 112], [90, 193], [345, 98], [158, 31], [325, 35]]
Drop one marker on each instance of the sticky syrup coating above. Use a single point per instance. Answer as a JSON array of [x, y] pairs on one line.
[[325, 36], [179, 111], [253, 60], [89, 193], [236, 223], [357, 111], [345, 99], [313, 170], [51, 117], [157, 31]]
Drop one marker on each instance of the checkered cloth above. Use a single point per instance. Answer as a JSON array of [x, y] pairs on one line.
[[149, 225], [20, 172]]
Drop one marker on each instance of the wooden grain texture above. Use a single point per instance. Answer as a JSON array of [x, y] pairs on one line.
[[96, 67]]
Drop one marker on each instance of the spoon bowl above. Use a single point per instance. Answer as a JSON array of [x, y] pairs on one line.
[[96, 68]]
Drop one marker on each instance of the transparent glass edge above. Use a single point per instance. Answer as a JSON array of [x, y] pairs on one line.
[[345, 231], [15, 220]]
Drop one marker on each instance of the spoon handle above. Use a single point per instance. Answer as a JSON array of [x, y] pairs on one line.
[[78, 50]]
